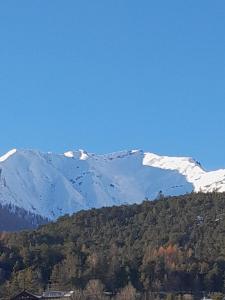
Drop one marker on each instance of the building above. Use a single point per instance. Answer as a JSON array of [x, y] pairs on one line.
[[50, 295], [25, 295], [57, 295]]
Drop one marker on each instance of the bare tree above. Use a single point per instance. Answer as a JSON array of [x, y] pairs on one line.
[[78, 295], [94, 290], [127, 293]]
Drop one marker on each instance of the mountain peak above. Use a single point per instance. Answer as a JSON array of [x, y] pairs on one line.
[[79, 154], [51, 185]]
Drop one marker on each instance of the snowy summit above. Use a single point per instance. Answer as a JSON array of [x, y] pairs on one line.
[[51, 185]]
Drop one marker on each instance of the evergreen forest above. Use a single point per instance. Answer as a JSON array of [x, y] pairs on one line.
[[168, 245]]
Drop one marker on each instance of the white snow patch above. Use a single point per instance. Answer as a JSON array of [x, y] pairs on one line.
[[7, 155], [69, 154], [83, 154]]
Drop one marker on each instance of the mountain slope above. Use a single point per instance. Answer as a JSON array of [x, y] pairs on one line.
[[15, 218], [51, 185]]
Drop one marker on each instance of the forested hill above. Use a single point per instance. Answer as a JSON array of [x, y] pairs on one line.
[[171, 244]]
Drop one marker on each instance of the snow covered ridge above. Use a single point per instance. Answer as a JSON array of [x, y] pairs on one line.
[[50, 185], [7, 155], [202, 181]]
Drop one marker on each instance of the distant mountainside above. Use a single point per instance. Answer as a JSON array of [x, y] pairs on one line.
[[169, 245], [15, 218], [50, 185]]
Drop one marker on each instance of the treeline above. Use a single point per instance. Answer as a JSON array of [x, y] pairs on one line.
[[13, 218], [172, 244]]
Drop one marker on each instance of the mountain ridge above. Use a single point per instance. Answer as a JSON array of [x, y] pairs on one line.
[[50, 185]]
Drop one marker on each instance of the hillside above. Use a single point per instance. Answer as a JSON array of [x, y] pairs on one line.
[[13, 218], [171, 244], [50, 185]]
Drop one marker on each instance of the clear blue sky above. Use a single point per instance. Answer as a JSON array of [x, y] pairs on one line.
[[112, 75]]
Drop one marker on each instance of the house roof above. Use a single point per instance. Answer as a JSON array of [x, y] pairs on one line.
[[25, 295], [45, 295], [55, 294]]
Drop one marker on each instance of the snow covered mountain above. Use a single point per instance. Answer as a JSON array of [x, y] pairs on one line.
[[50, 185]]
